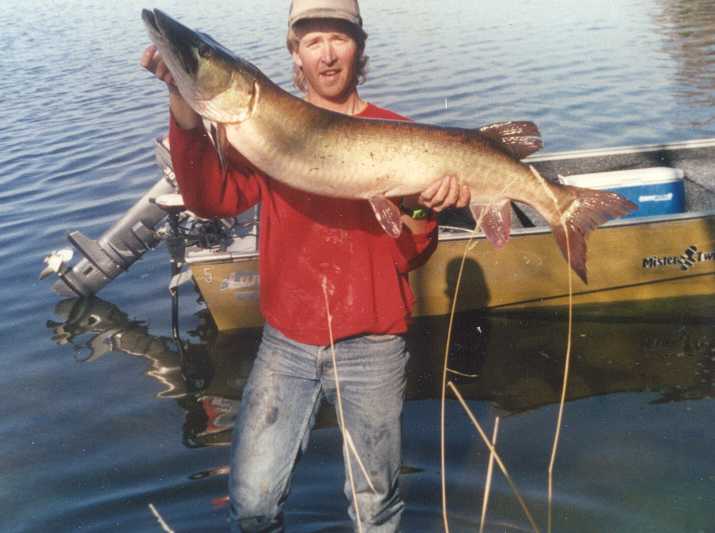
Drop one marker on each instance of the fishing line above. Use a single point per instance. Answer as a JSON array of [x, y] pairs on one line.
[[567, 364], [445, 369], [567, 355], [347, 450], [346, 432], [564, 385]]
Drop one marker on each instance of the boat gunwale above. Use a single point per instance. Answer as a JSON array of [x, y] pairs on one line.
[[462, 234], [707, 142], [468, 233]]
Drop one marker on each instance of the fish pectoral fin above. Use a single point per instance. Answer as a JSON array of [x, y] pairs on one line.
[[387, 214], [494, 220], [519, 138], [217, 133]]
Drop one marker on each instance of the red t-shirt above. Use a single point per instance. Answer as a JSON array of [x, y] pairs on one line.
[[305, 238]]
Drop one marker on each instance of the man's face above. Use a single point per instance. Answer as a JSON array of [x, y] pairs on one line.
[[327, 53]]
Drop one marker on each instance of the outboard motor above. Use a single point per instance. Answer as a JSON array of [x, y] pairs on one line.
[[123, 243]]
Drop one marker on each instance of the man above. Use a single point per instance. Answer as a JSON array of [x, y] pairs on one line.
[[326, 268]]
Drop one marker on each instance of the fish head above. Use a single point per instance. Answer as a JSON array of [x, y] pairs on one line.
[[216, 83]]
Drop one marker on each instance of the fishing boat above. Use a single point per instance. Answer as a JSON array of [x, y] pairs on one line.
[[663, 252]]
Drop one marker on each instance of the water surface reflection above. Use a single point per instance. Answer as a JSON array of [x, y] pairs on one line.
[[688, 28], [624, 372], [514, 363]]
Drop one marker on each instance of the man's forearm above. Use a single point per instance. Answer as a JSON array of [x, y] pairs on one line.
[[185, 117]]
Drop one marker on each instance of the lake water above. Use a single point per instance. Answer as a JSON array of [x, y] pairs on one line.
[[102, 417]]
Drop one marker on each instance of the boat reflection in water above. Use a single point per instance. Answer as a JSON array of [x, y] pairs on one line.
[[205, 374], [513, 362]]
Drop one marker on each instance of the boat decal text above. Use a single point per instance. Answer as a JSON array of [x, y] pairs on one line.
[[240, 281], [687, 259]]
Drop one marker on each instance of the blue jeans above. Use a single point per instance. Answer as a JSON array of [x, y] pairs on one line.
[[278, 410]]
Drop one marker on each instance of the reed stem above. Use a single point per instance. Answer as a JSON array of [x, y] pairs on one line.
[[164, 526], [488, 482], [493, 450]]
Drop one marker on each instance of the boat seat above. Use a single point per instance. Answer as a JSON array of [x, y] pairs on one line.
[[170, 202], [173, 203]]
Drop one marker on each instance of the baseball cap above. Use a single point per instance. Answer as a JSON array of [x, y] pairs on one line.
[[333, 9]]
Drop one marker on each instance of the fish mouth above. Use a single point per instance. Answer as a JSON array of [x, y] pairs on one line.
[[172, 37], [202, 69]]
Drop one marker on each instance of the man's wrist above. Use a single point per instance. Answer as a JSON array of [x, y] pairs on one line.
[[184, 116], [414, 209]]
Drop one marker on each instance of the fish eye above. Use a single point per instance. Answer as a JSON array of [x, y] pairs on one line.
[[205, 51]]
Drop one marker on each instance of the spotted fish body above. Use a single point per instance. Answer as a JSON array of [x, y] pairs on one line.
[[336, 155]]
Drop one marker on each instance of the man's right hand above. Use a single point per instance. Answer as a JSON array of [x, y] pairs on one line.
[[153, 62], [185, 117]]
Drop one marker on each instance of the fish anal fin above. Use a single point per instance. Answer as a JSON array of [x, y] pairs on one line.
[[519, 138], [494, 220], [387, 214]]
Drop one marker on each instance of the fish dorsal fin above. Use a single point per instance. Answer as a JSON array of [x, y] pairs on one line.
[[519, 138], [388, 215], [494, 220]]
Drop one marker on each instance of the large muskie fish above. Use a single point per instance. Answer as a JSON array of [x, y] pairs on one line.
[[331, 154]]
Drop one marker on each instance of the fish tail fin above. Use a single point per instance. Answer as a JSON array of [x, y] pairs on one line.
[[582, 211]]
